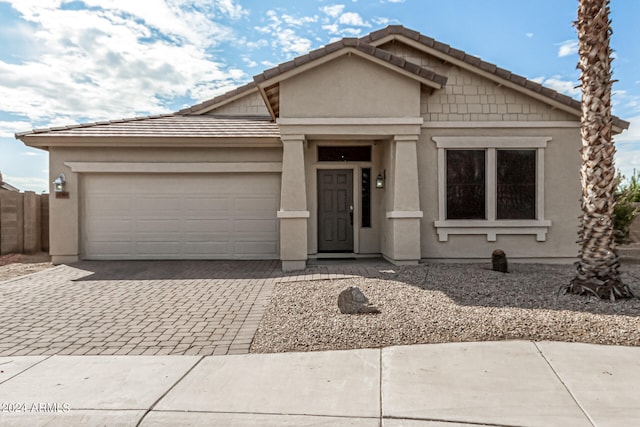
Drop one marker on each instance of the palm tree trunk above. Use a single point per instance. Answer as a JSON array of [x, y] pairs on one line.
[[598, 266]]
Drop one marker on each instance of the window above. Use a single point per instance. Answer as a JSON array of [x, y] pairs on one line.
[[465, 184], [358, 153], [365, 201], [491, 185], [516, 184]]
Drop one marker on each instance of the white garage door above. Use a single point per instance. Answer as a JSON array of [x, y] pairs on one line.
[[192, 216]]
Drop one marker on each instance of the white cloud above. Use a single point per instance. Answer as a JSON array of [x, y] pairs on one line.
[[381, 21], [299, 21], [333, 11], [120, 59], [230, 8], [353, 19], [9, 129], [559, 84], [631, 135], [290, 42], [27, 183], [627, 157], [287, 40], [529, 35], [568, 47]]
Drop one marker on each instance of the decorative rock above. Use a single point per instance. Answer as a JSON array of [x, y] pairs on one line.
[[499, 261], [353, 301]]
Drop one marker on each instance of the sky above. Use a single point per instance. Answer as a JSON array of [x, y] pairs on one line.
[[66, 62]]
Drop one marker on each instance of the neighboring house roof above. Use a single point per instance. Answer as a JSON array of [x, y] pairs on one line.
[[6, 186], [192, 123]]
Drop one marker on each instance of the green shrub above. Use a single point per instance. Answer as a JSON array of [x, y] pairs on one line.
[[627, 193]]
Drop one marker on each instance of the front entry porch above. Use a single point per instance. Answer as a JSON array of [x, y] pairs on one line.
[[330, 203]]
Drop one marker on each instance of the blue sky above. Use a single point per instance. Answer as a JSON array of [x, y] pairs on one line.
[[65, 62]]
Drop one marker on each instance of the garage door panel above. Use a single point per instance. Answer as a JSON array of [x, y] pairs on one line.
[[145, 216], [158, 248], [107, 208], [254, 226], [206, 204], [249, 204]]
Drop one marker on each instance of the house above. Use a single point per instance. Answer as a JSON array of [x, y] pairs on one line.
[[393, 144], [6, 186]]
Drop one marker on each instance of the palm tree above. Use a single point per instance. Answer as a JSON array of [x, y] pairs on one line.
[[598, 267]]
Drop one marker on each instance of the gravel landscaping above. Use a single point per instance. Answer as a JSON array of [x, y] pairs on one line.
[[16, 265], [436, 303]]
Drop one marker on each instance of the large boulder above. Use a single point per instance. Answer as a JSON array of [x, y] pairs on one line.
[[353, 301]]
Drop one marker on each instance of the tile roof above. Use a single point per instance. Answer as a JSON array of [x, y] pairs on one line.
[[170, 125], [358, 45], [218, 99], [395, 30], [189, 122]]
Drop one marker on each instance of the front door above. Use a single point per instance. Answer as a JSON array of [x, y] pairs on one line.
[[335, 210]]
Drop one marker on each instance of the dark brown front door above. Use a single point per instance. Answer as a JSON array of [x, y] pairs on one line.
[[335, 210]]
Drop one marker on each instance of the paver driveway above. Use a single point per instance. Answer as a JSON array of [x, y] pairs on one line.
[[145, 307]]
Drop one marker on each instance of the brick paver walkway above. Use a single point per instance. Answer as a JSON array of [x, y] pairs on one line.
[[147, 307]]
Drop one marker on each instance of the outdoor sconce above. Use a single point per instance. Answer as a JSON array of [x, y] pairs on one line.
[[380, 180], [59, 183], [58, 187]]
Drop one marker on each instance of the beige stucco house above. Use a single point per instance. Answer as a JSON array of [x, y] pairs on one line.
[[393, 144]]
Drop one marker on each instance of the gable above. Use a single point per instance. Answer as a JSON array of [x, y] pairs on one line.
[[349, 86], [249, 105], [471, 97]]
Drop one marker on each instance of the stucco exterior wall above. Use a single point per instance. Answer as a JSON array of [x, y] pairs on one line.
[[250, 105], [349, 86], [562, 195]]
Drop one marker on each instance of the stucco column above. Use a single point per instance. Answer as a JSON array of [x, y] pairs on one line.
[[293, 211], [63, 214], [405, 214]]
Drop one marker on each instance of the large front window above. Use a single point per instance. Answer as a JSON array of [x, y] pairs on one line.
[[515, 187], [491, 185]]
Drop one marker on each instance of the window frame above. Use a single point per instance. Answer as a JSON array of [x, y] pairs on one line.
[[491, 226]]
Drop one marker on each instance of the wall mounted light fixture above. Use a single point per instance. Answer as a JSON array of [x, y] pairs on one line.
[[380, 179], [59, 183]]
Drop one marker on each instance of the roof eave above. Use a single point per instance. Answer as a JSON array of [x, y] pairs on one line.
[[46, 141]]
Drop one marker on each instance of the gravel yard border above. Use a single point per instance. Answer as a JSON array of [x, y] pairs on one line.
[[437, 303]]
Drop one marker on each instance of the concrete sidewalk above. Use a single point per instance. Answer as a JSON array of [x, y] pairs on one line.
[[512, 383]]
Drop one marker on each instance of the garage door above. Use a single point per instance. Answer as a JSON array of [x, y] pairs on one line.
[[199, 216]]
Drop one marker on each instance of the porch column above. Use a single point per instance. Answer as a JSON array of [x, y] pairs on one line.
[[293, 211], [405, 215]]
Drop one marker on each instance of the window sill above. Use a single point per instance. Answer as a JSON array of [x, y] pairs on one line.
[[491, 229]]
